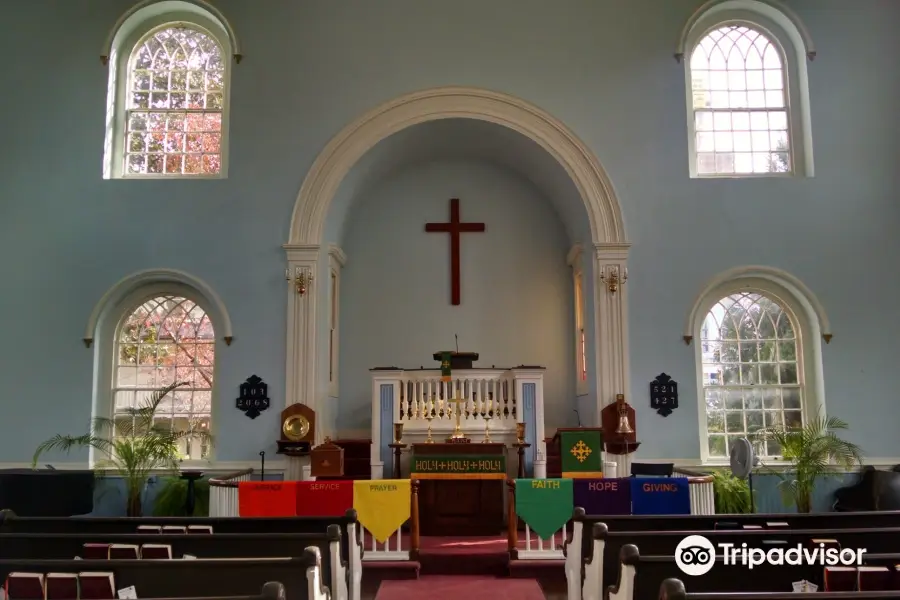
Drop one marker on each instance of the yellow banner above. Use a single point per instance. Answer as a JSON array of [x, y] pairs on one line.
[[382, 505]]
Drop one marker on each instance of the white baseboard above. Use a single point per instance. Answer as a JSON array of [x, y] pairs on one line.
[[228, 466]]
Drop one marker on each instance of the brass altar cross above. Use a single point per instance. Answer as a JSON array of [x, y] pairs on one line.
[[457, 433]]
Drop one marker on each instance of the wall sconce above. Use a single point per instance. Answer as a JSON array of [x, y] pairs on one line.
[[302, 279], [612, 279]]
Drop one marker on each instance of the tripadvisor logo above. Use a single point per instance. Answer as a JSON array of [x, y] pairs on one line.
[[695, 555]]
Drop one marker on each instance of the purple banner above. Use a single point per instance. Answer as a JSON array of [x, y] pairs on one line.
[[603, 496]]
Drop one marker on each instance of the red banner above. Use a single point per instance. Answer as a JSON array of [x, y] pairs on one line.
[[267, 498], [324, 498]]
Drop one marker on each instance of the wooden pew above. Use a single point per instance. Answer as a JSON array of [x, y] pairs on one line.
[[848, 520], [185, 578], [639, 576], [272, 590], [351, 542], [66, 546], [673, 589], [663, 543]]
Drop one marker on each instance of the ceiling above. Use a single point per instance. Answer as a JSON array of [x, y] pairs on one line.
[[461, 138]]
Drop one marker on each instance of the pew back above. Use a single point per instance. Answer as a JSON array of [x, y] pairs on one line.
[[186, 578], [673, 589], [850, 520]]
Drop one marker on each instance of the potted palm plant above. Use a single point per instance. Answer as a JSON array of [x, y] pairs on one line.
[[133, 446], [813, 450]]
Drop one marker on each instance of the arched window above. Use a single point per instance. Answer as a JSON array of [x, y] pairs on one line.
[[175, 103], [747, 93], [751, 372], [168, 96], [739, 103], [757, 334], [167, 339]]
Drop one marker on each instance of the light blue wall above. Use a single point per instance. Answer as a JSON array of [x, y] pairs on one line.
[[516, 287], [604, 67]]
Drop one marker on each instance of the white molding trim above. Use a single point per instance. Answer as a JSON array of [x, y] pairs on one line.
[[346, 148], [774, 10], [697, 463], [129, 284], [350, 144], [146, 9], [227, 466], [798, 289], [336, 261], [612, 358], [300, 370]]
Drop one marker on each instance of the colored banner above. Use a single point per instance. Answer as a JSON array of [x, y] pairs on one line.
[[660, 496], [582, 453], [544, 504], [603, 496], [267, 498], [382, 505], [461, 466], [324, 498], [445, 366]]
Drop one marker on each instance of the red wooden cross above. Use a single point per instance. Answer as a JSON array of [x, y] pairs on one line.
[[454, 228]]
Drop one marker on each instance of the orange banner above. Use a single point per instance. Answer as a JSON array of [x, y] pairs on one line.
[[267, 498]]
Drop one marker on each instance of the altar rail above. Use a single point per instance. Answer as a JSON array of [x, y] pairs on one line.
[[497, 399], [534, 548], [223, 493]]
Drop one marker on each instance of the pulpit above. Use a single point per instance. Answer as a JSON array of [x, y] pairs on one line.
[[461, 487]]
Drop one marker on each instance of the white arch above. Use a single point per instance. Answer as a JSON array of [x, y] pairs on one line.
[[139, 279], [773, 10], [342, 152], [801, 294], [147, 9]]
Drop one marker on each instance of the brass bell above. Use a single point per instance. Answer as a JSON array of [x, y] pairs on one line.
[[624, 426]]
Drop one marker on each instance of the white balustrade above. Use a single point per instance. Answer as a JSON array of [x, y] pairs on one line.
[[536, 548], [223, 493], [484, 394], [395, 548]]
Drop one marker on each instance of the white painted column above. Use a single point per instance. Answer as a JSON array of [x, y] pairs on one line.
[[391, 379], [300, 380], [611, 333], [535, 377], [300, 373]]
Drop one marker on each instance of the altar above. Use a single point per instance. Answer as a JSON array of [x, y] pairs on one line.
[[461, 487], [494, 403]]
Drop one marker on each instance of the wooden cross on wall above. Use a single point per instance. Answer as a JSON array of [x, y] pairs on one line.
[[454, 228]]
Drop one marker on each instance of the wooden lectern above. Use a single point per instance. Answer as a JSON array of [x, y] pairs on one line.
[[460, 504]]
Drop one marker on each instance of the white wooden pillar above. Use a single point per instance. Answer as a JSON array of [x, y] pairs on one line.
[[300, 369], [385, 412], [611, 333], [529, 384]]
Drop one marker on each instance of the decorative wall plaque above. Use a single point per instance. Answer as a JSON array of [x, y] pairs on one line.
[[663, 395], [254, 397]]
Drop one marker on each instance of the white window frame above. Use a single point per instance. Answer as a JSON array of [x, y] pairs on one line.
[[784, 29], [106, 353], [580, 334], [119, 78], [810, 327], [336, 261]]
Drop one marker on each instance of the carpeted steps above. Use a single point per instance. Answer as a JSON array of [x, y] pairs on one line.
[[454, 587]]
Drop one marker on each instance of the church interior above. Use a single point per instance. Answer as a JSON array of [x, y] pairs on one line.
[[447, 290]]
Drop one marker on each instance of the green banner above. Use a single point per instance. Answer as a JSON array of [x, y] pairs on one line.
[[445, 366], [459, 464], [545, 504], [582, 453]]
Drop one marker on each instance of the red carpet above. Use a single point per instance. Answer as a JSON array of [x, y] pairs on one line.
[[454, 587]]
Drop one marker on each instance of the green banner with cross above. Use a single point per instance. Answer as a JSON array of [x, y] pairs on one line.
[[582, 453]]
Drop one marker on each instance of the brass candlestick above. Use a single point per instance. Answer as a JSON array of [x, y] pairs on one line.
[[520, 433], [429, 439], [457, 435], [487, 430]]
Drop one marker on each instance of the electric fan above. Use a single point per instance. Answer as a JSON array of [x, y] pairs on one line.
[[743, 459]]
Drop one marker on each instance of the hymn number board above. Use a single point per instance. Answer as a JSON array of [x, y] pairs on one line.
[[253, 397], [663, 395]]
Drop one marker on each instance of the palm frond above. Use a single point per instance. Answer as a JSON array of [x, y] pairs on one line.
[[813, 450]]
